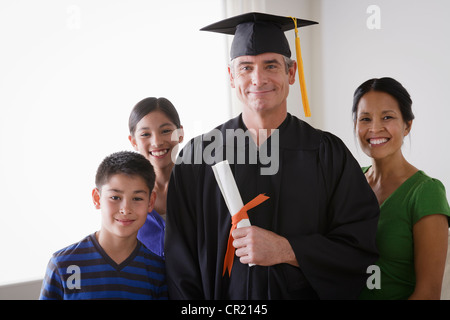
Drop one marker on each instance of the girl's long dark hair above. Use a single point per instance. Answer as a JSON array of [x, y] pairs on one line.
[[147, 105]]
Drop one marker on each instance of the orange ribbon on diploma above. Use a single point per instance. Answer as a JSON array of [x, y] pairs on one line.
[[235, 219]]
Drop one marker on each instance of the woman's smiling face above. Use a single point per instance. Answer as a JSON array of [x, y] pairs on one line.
[[380, 125], [156, 137]]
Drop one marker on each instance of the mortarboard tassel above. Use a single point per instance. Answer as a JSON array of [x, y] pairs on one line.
[[301, 74]]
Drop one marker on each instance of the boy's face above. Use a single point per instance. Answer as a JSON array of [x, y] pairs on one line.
[[124, 202]]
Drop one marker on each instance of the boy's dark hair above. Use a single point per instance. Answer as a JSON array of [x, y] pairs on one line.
[[128, 163]]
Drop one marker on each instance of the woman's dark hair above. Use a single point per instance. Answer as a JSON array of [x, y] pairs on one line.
[[389, 86], [147, 105]]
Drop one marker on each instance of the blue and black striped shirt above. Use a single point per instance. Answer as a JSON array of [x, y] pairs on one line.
[[83, 271]]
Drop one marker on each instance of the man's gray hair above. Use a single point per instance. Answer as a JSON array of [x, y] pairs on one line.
[[288, 62]]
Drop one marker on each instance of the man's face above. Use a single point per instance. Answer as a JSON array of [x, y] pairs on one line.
[[261, 82]]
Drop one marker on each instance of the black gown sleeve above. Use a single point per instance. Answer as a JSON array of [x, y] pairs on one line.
[[335, 260], [181, 250]]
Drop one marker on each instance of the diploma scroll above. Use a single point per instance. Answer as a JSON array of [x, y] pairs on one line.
[[230, 191]]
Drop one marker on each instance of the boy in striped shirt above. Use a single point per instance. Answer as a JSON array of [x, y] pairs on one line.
[[111, 263]]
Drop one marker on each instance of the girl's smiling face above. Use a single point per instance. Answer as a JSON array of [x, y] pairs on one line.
[[380, 126], [156, 137]]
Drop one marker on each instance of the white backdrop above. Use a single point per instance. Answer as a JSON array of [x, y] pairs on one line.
[[411, 45], [70, 72]]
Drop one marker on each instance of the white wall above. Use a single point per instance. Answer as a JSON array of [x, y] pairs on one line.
[[412, 46], [70, 73]]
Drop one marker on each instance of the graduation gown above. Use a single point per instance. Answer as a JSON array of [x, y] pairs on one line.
[[319, 200]]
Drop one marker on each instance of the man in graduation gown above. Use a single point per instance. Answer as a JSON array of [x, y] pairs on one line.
[[314, 237]]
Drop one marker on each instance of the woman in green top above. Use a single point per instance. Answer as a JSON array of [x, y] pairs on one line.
[[413, 224]]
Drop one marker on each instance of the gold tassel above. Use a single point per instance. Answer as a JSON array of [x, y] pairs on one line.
[[301, 74]]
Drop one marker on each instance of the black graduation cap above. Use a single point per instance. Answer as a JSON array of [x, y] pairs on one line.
[[256, 33]]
